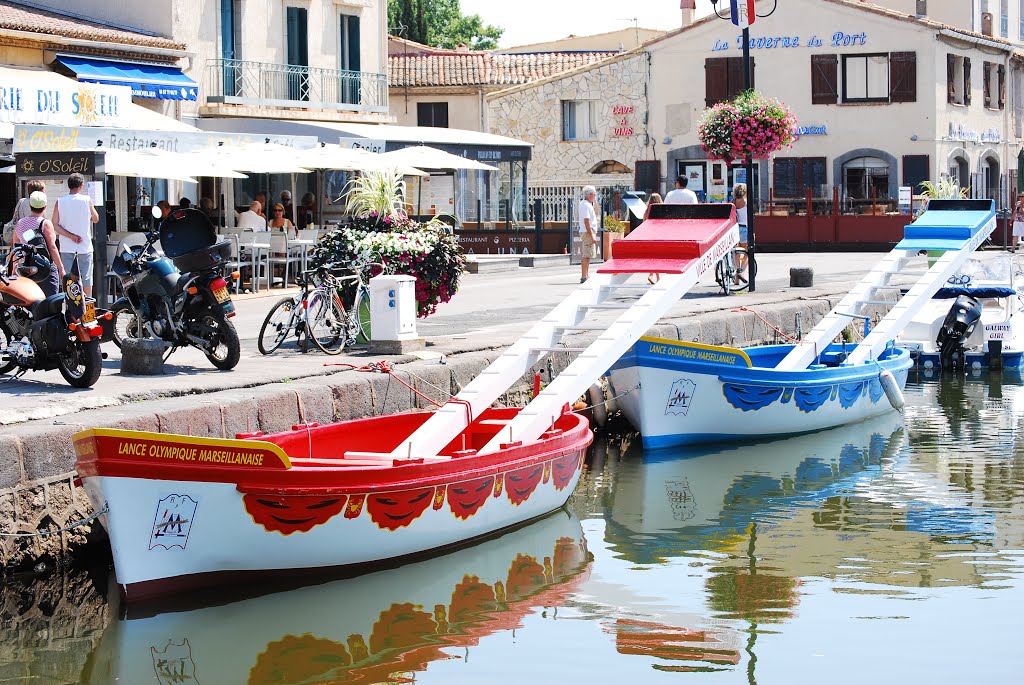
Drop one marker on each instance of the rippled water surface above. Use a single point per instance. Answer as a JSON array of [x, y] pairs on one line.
[[888, 551]]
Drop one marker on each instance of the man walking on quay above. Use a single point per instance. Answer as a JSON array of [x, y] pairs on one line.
[[681, 195], [73, 217], [588, 231]]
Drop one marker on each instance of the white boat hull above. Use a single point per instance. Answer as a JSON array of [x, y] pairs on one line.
[[680, 393]]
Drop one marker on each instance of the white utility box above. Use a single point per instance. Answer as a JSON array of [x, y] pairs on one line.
[[392, 308]]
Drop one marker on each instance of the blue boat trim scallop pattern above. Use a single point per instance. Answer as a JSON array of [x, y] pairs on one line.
[[754, 397]]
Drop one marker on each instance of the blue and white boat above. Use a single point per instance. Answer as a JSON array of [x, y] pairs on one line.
[[688, 393], [678, 393]]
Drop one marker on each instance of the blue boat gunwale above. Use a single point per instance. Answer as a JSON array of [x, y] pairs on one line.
[[892, 359]]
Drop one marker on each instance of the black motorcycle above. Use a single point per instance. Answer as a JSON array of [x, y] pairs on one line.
[[181, 296], [40, 333]]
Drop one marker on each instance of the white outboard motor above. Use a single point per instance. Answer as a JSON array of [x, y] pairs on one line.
[[956, 328]]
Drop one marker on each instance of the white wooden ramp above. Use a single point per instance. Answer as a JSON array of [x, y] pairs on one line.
[[955, 227], [681, 242]]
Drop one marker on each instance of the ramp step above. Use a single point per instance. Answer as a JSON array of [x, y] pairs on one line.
[[608, 305], [582, 327], [878, 302], [558, 349]]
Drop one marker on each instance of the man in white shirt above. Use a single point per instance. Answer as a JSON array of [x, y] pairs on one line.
[[73, 217], [681, 195], [250, 220], [588, 230]]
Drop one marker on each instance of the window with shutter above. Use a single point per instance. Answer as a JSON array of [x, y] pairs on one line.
[[903, 77], [1001, 86], [967, 80], [986, 73], [794, 175], [951, 78], [915, 171], [723, 78], [716, 80], [824, 79]]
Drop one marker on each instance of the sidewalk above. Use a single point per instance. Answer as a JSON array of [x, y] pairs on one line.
[[491, 310]]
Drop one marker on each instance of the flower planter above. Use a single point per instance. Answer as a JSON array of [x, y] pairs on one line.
[[609, 238]]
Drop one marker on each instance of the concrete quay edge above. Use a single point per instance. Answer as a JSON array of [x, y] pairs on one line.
[[37, 489]]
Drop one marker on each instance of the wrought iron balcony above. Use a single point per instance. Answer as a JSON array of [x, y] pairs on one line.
[[241, 82]]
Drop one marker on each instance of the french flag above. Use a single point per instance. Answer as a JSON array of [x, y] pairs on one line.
[[742, 12]]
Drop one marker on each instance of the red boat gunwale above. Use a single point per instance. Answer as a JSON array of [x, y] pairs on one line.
[[311, 459]]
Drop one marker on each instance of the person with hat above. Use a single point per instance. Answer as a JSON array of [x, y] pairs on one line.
[[43, 227]]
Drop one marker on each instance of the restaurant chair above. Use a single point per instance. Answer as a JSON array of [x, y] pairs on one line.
[[282, 252], [255, 253]]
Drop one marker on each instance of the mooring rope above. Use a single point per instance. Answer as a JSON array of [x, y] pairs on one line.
[[74, 524]]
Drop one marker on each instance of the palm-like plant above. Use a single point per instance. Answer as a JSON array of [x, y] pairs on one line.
[[945, 189], [379, 192]]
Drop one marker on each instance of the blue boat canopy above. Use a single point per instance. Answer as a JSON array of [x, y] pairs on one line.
[[163, 82]]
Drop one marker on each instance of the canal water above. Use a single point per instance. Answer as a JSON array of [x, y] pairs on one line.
[[887, 551]]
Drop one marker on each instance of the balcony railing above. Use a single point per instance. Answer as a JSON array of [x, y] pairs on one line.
[[242, 82]]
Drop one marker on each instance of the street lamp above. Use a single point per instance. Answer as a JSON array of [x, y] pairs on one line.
[[742, 13]]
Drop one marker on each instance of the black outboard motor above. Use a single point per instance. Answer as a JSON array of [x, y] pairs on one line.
[[957, 327]]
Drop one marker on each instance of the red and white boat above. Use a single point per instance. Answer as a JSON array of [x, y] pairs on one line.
[[188, 511], [185, 510]]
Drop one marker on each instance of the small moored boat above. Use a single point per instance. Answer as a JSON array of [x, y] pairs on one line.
[[187, 511], [980, 307]]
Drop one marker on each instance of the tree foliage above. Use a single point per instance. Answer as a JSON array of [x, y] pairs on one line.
[[441, 24]]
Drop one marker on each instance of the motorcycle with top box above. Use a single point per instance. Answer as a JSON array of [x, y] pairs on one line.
[[180, 296]]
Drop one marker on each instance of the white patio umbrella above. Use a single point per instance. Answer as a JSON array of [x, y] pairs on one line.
[[426, 157], [192, 163], [336, 157], [124, 163], [259, 158]]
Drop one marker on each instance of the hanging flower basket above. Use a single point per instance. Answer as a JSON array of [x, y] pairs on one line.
[[749, 126]]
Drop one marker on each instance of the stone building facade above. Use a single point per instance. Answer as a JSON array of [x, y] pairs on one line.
[[587, 125]]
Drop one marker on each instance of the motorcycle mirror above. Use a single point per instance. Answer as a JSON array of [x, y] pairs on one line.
[[157, 212], [28, 235]]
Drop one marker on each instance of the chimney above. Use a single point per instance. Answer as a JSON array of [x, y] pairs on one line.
[[922, 8], [687, 7]]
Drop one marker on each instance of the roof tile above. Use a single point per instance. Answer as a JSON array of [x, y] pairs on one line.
[[15, 17], [484, 68]]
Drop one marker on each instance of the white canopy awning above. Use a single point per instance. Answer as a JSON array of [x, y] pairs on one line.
[[426, 157]]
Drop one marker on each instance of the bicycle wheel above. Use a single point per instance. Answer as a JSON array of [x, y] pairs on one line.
[[327, 321], [740, 278], [278, 325], [362, 315]]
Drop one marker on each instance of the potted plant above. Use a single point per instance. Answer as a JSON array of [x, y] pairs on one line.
[[751, 125], [381, 232], [613, 230]]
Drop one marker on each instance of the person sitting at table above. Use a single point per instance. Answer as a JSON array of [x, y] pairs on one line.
[[250, 219], [279, 222], [306, 215], [261, 197]]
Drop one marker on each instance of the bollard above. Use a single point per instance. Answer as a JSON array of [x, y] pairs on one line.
[[801, 277], [142, 356]]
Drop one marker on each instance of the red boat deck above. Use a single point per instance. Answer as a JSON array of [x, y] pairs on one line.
[[671, 239]]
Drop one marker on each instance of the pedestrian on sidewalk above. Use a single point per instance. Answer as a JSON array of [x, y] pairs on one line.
[[588, 230], [681, 195], [73, 217], [1018, 221], [655, 199]]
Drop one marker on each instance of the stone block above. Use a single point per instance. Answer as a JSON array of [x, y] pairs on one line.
[[315, 399], [198, 415], [47, 451], [433, 380], [393, 347], [239, 412], [537, 261], [11, 472], [352, 396], [390, 396], [278, 407], [801, 277], [142, 356]]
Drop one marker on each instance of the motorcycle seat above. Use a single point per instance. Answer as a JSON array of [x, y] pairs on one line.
[[53, 304]]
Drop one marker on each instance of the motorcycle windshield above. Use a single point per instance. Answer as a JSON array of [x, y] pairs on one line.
[[127, 251]]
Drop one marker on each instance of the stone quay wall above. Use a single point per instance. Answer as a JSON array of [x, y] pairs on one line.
[[37, 478]]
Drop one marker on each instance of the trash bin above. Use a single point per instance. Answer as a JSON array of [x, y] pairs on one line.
[[392, 308]]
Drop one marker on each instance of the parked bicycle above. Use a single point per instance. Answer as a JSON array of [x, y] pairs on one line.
[[734, 270], [318, 312]]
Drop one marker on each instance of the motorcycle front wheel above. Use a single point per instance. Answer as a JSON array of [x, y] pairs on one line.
[[80, 363], [126, 325], [227, 349]]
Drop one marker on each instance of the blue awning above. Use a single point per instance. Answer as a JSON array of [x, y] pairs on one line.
[[146, 80]]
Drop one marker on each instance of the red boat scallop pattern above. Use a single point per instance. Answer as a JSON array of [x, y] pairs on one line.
[[287, 514]]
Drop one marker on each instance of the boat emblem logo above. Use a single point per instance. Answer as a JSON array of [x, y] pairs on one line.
[[173, 664], [680, 396], [173, 521]]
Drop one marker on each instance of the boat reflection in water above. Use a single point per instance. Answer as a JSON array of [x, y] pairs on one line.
[[357, 630]]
